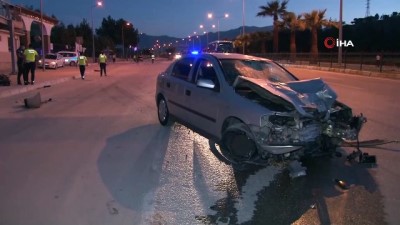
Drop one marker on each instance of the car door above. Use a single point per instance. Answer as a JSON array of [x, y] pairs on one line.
[[175, 85], [204, 103]]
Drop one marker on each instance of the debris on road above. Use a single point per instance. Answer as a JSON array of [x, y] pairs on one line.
[[35, 101], [341, 184]]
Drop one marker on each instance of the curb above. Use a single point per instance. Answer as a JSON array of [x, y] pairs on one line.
[[26, 88], [347, 71]]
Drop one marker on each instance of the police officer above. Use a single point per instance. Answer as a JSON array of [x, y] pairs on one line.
[[82, 62], [152, 58], [31, 57], [103, 64], [20, 63]]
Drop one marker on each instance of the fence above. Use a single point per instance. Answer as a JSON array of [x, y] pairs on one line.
[[390, 62]]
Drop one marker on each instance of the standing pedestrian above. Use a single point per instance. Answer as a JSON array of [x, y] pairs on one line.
[[103, 64], [378, 60], [20, 63], [82, 61], [152, 58], [31, 57]]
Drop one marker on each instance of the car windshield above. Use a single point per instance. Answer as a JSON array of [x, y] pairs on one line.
[[258, 69], [51, 57]]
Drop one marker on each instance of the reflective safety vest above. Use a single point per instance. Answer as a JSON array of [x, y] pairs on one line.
[[30, 55], [102, 58], [82, 60]]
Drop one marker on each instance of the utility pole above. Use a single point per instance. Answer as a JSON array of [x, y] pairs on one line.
[[340, 49], [10, 24], [41, 30]]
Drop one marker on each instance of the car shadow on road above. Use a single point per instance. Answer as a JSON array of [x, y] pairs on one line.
[[316, 198], [131, 162]]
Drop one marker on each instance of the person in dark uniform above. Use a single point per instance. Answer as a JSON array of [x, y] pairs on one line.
[[20, 63]]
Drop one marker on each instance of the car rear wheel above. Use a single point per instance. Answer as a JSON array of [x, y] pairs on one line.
[[238, 144], [163, 112]]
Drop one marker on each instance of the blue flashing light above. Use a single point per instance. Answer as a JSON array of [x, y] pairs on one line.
[[195, 52]]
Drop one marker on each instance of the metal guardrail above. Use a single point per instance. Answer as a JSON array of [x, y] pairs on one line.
[[390, 62]]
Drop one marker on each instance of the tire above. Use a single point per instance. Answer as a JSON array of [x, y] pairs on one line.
[[72, 63], [163, 112], [238, 144]]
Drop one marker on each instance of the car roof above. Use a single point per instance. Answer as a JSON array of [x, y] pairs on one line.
[[67, 52], [233, 56]]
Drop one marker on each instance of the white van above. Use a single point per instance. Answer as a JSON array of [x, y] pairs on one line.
[[70, 58]]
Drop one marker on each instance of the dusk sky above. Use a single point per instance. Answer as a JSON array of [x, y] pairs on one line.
[[180, 18]]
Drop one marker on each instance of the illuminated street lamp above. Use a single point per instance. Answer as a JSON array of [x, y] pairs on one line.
[[122, 35], [210, 16], [98, 4], [205, 32]]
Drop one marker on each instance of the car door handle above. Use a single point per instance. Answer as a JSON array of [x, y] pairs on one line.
[[168, 84], [187, 92]]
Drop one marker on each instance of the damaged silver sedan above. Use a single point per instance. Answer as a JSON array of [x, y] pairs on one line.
[[256, 110]]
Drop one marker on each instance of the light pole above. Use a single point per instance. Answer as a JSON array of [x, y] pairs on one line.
[[243, 24], [122, 35], [41, 30], [98, 3], [340, 32], [210, 16]]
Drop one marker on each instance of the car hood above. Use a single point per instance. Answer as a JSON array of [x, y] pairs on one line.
[[307, 96]]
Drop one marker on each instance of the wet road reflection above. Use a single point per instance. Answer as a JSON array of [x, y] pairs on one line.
[[197, 188]]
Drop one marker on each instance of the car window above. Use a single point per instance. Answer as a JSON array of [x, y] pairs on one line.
[[206, 70], [182, 68], [51, 57], [258, 69]]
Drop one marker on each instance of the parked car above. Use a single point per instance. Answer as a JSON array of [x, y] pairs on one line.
[[255, 109], [221, 46], [70, 58], [52, 61]]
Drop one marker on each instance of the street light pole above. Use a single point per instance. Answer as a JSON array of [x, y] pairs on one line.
[[98, 3], [123, 43], [210, 16], [41, 30], [243, 32], [340, 32]]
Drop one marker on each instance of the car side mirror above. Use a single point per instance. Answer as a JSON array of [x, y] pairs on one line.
[[205, 83]]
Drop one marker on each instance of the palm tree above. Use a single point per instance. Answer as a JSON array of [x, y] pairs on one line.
[[314, 21], [242, 40], [293, 23], [275, 9]]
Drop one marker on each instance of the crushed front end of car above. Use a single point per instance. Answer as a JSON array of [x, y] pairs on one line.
[[304, 118]]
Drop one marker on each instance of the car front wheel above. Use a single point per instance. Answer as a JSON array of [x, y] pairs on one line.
[[163, 112], [237, 143]]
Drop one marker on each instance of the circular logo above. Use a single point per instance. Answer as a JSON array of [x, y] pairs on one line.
[[329, 42]]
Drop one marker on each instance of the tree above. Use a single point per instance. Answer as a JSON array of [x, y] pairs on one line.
[[84, 30], [315, 21], [293, 23], [275, 9], [242, 40], [111, 32]]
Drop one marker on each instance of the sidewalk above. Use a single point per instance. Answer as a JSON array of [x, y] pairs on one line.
[[42, 78]]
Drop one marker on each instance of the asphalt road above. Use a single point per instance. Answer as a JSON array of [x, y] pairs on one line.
[[95, 154]]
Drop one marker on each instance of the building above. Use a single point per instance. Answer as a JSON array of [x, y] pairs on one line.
[[17, 22]]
